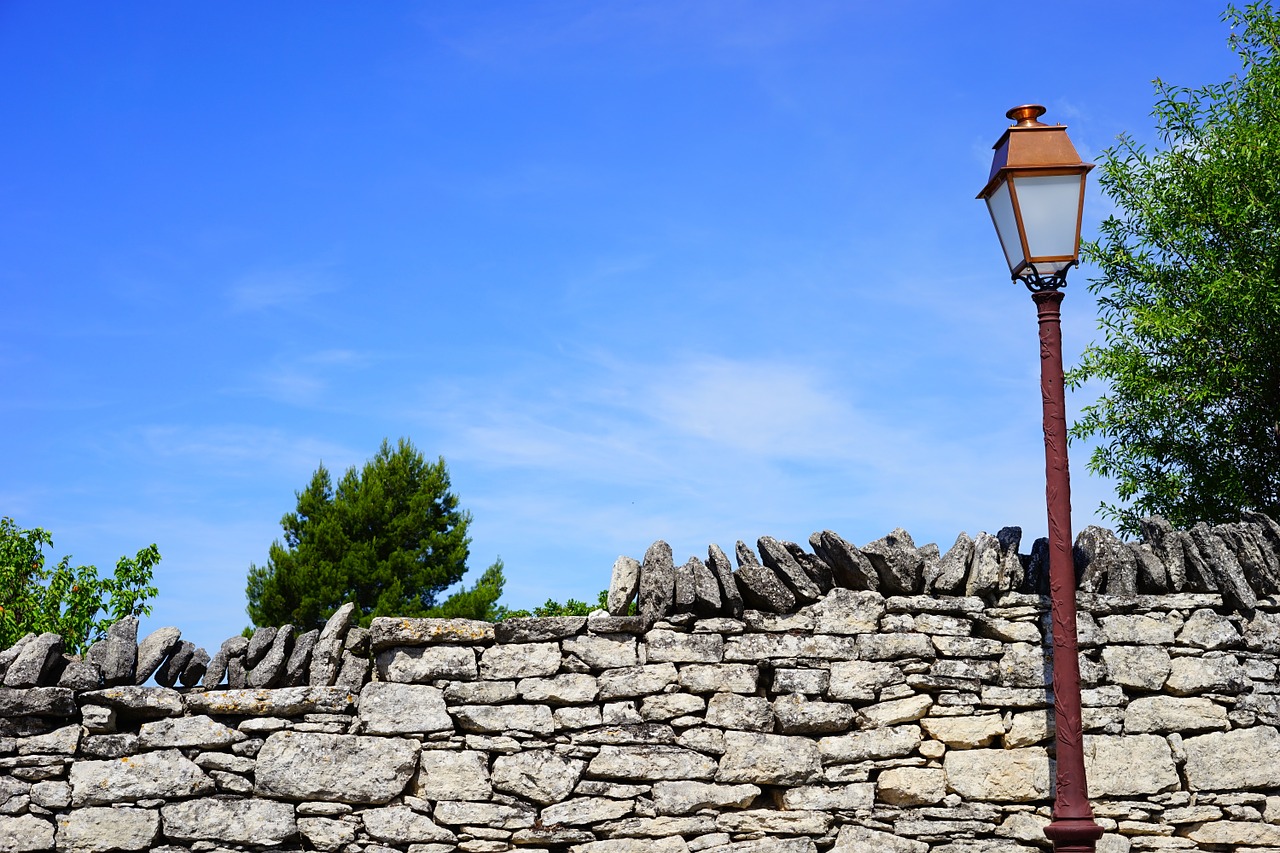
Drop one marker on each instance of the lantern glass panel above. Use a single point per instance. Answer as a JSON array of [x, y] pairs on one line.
[[1050, 209], [1000, 204]]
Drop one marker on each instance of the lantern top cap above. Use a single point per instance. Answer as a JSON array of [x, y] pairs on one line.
[[1026, 115], [1030, 145]]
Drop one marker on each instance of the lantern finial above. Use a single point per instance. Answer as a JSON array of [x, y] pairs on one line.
[[1026, 115]]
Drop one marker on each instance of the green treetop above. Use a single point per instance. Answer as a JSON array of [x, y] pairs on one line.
[[72, 602], [389, 537], [1189, 293]]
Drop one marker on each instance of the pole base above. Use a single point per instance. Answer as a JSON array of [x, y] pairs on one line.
[[1074, 834]]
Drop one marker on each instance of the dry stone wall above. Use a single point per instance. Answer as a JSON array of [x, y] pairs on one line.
[[864, 720]]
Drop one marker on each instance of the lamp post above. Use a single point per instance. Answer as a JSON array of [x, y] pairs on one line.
[[1035, 194]]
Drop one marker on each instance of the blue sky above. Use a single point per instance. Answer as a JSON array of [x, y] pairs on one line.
[[692, 271]]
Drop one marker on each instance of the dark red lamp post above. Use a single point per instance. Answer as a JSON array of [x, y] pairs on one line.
[[1036, 197]]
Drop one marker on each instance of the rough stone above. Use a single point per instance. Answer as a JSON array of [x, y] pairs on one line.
[[570, 688], [1140, 667], [858, 680], [1012, 573], [152, 651], [539, 775], [298, 667], [585, 810], [696, 589], [947, 576], [60, 741], [343, 768], [678, 798], [37, 662], [652, 763], [446, 774], [1128, 766], [624, 584], [984, 567], [1236, 834], [1167, 714], [717, 678], [603, 651], [493, 815], [1205, 629], [1103, 562], [1191, 675], [765, 759], [79, 674], [860, 795], [1239, 760], [520, 660], [735, 711], [718, 563], [1236, 592], [218, 666], [174, 665], [1138, 629], [1248, 544], [1200, 576], [277, 702], [635, 680], [270, 668], [850, 567], [164, 773], [263, 823], [401, 825], [999, 775], [1262, 633], [657, 583], [811, 823], [846, 611], [1153, 577], [116, 654], [25, 834], [325, 833], [860, 839], [965, 732], [389, 708], [672, 646], [388, 631], [424, 664], [762, 589], [199, 732], [500, 719], [893, 712], [897, 562], [538, 629], [911, 786], [1167, 547], [797, 715], [98, 829], [326, 654], [775, 556]]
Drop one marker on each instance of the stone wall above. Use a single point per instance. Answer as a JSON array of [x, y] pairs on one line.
[[861, 721]]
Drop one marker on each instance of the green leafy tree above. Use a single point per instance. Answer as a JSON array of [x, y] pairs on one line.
[[1189, 294], [572, 607], [72, 602], [389, 537]]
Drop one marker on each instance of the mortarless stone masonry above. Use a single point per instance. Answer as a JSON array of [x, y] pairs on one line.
[[891, 717]]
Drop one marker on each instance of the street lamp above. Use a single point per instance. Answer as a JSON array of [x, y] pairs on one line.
[[1035, 194]]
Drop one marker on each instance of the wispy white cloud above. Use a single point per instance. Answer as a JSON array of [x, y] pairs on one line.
[[306, 379], [705, 448], [264, 290], [241, 450]]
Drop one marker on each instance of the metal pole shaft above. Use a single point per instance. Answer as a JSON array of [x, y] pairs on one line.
[[1073, 829]]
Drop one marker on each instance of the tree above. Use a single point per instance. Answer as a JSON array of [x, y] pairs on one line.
[[572, 607], [389, 537], [1189, 294], [63, 599]]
